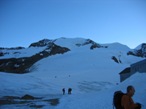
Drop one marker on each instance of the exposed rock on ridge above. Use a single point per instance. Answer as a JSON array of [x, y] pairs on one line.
[[141, 52], [41, 43], [22, 65]]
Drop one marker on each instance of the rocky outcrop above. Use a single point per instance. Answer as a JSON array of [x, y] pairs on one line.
[[28, 97], [28, 101], [141, 52], [93, 44], [116, 60], [13, 48], [42, 43]]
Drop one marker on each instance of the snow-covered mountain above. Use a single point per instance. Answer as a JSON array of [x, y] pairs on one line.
[[89, 68], [20, 59], [140, 50]]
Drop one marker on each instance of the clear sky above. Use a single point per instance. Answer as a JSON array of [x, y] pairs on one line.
[[104, 21]]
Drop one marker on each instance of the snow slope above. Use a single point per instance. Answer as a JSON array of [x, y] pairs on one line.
[[92, 75], [103, 99]]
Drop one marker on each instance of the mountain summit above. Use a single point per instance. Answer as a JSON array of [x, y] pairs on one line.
[[90, 69], [20, 59]]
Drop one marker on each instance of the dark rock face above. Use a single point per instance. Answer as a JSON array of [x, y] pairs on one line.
[[41, 43], [13, 48], [140, 53], [28, 97], [93, 44], [22, 65], [116, 60], [1, 54]]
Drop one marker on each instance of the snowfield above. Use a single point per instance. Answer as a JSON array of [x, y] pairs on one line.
[[92, 75], [95, 97]]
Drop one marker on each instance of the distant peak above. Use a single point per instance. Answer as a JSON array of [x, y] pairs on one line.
[[143, 45], [139, 50]]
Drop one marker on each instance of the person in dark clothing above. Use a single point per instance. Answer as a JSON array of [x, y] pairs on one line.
[[63, 90], [69, 90], [127, 101]]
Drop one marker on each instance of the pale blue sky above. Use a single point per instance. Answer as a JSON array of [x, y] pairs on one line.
[[104, 21]]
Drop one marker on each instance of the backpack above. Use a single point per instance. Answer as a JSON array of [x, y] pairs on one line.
[[117, 99]]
